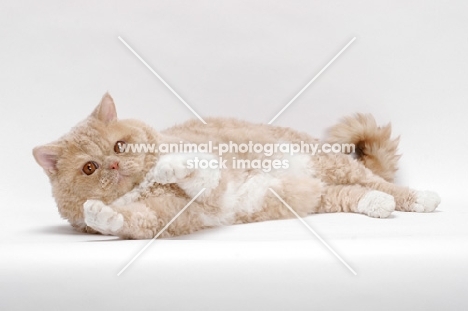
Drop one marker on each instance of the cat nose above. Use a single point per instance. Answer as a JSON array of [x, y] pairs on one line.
[[114, 165]]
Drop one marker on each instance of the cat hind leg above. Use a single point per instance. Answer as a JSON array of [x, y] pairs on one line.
[[357, 199]]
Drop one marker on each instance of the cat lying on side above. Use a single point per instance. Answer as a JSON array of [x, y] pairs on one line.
[[100, 186]]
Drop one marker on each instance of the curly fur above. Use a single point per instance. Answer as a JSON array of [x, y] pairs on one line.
[[374, 147], [134, 195]]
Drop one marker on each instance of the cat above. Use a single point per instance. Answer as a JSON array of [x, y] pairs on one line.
[[101, 188]]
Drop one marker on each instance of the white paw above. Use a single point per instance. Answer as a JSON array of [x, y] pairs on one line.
[[376, 204], [101, 217], [426, 201], [171, 169]]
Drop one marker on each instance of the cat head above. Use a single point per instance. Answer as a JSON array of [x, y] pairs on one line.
[[89, 162]]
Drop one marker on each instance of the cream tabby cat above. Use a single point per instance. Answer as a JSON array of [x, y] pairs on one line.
[[100, 188]]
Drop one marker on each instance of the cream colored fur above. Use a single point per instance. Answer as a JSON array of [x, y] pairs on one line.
[[374, 146], [134, 195]]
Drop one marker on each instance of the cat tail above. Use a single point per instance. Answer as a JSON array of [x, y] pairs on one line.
[[373, 145]]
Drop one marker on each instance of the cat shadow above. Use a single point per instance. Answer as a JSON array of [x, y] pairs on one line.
[[96, 237], [111, 239], [59, 230], [68, 230]]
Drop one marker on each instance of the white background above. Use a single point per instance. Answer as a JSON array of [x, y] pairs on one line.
[[245, 59]]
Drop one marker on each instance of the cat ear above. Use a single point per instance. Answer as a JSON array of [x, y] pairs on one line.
[[105, 111], [47, 157]]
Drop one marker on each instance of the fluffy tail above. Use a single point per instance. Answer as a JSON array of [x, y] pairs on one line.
[[373, 145]]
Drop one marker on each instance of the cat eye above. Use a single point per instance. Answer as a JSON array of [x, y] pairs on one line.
[[119, 146], [90, 167]]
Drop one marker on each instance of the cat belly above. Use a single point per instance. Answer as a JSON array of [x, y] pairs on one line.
[[241, 198], [244, 198]]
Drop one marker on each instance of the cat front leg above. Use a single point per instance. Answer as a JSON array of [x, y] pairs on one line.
[[131, 221], [190, 171], [172, 168], [102, 217], [146, 218]]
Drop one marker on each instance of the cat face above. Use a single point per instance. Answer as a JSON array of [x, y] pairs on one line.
[[89, 161]]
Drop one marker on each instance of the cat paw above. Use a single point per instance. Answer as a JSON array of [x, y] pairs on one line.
[[426, 201], [101, 217], [376, 204], [171, 169]]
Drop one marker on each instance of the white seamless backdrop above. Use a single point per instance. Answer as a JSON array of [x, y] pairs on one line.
[[244, 59]]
